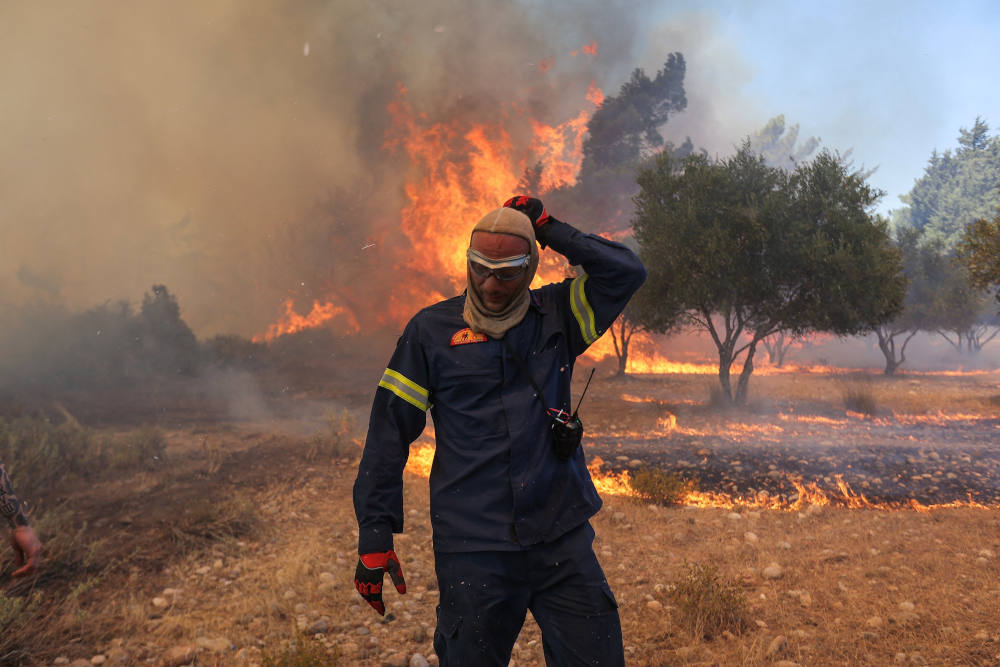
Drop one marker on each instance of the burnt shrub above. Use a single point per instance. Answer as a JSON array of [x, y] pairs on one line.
[[709, 604], [859, 397]]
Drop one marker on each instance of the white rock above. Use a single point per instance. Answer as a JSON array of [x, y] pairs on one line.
[[418, 660], [907, 606], [773, 571], [750, 537], [734, 516], [99, 659], [327, 577], [874, 622], [159, 602]]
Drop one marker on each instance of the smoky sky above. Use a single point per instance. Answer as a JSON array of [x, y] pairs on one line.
[[233, 150]]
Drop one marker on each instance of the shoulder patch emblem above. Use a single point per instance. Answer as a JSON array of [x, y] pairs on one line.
[[466, 336]]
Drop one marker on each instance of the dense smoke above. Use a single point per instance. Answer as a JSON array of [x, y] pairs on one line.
[[233, 151]]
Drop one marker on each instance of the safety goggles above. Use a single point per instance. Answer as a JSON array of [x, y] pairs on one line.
[[507, 269]]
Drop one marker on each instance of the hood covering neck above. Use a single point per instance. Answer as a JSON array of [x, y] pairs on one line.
[[496, 323]]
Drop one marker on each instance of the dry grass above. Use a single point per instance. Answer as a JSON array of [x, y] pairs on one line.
[[259, 545]]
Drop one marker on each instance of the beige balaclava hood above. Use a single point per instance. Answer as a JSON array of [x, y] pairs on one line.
[[477, 316]]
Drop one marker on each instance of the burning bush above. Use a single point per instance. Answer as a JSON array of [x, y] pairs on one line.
[[658, 486], [709, 604]]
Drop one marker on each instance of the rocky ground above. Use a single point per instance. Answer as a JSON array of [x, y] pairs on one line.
[[242, 552]]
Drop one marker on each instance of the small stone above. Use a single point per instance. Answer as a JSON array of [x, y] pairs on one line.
[[900, 658], [418, 660], [784, 545], [874, 622], [983, 635], [776, 645], [319, 626], [734, 516], [987, 553], [289, 594], [179, 655], [159, 602], [805, 599], [773, 571], [750, 537], [654, 605], [907, 606], [362, 630], [419, 634], [216, 644], [99, 659], [618, 517], [205, 569], [327, 577], [301, 608], [396, 660], [61, 660]]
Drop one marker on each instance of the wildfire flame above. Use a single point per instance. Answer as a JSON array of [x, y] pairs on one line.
[[807, 494], [291, 322]]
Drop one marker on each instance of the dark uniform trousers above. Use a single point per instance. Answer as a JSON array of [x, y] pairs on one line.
[[486, 594]]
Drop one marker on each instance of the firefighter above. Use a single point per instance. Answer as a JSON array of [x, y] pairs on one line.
[[27, 548], [510, 502]]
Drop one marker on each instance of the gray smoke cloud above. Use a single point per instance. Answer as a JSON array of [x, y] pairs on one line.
[[233, 150]]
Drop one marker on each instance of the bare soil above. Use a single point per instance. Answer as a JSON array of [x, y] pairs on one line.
[[245, 537]]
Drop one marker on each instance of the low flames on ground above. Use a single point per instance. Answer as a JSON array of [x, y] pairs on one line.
[[799, 461], [458, 168]]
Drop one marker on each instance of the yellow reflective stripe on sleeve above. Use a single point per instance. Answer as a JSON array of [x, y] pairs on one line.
[[405, 388], [582, 311]]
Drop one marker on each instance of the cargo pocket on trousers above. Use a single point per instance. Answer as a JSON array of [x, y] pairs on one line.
[[448, 623]]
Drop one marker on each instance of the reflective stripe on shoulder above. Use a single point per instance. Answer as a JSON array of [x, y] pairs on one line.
[[405, 388], [582, 311]]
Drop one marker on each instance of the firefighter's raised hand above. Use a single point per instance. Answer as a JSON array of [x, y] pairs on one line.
[[369, 574], [27, 550], [535, 210]]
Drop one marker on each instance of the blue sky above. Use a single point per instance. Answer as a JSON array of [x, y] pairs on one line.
[[890, 80]]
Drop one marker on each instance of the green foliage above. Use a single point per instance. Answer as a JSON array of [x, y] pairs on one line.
[[658, 486], [958, 187], [743, 250], [709, 604], [626, 126], [776, 143], [979, 252]]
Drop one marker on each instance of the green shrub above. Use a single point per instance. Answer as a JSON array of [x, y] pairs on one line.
[[708, 604], [658, 486]]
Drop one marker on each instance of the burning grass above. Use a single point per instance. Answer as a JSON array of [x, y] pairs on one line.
[[248, 535]]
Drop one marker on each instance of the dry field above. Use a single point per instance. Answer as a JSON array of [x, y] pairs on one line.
[[240, 549]]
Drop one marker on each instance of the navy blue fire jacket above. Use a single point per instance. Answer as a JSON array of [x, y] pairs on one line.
[[495, 483]]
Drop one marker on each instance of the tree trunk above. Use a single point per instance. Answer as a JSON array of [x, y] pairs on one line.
[[743, 385], [725, 361], [623, 356]]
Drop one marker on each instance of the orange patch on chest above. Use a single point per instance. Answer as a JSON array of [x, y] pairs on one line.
[[466, 336]]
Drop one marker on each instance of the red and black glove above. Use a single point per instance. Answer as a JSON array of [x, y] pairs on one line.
[[369, 573], [535, 211]]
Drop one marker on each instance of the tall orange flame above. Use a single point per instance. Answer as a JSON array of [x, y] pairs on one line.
[[291, 322]]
